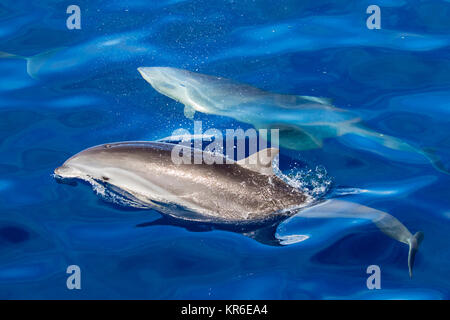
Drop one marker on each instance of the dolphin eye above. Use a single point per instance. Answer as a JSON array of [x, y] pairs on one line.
[[105, 178], [107, 146]]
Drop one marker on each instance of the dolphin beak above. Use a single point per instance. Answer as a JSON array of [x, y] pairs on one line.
[[150, 74], [58, 171], [60, 175], [65, 171], [145, 74]]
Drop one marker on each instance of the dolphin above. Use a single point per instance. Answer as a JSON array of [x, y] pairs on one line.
[[304, 121], [113, 48], [234, 193], [220, 192]]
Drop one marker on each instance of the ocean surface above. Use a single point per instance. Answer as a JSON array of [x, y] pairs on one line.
[[62, 91]]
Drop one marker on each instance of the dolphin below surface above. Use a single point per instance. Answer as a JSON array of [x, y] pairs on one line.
[[234, 193], [304, 121]]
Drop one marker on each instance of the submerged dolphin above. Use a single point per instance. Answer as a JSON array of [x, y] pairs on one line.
[[304, 121], [237, 193]]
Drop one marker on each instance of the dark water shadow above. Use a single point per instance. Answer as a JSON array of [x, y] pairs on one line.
[[263, 232]]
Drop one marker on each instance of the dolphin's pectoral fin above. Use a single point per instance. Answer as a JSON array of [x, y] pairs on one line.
[[296, 138], [118, 196], [189, 112], [261, 161], [265, 235]]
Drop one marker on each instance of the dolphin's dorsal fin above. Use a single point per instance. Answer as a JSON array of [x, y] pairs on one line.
[[261, 161]]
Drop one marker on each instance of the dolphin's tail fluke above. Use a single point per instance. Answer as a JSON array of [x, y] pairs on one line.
[[436, 161], [34, 63], [408, 153], [414, 243], [10, 55]]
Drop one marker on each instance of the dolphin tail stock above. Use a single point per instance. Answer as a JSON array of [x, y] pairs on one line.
[[413, 243], [265, 235], [397, 144], [385, 140], [393, 228], [385, 222]]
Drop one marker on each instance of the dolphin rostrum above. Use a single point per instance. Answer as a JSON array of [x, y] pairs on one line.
[[304, 121], [232, 193]]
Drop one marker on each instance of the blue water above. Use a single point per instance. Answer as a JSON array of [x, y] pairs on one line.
[[84, 90]]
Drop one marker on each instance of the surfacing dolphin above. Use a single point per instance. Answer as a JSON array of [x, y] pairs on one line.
[[238, 193], [224, 192], [304, 121]]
